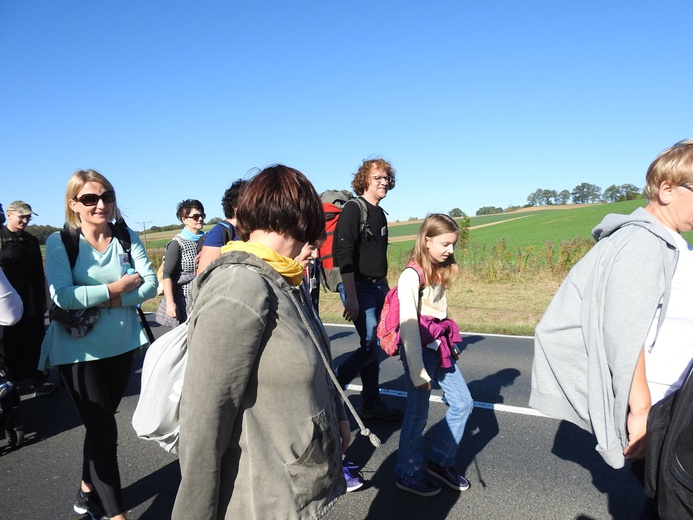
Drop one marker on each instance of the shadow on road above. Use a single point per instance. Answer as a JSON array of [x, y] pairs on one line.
[[162, 485], [391, 502], [482, 425], [625, 495]]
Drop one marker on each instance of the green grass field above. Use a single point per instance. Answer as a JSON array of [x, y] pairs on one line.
[[512, 302]]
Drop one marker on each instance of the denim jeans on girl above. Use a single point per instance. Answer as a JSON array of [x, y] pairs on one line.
[[365, 359], [410, 456]]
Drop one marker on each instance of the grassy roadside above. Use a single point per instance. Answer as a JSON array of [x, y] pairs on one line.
[[495, 308], [509, 307]]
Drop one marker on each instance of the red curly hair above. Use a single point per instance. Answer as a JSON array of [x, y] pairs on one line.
[[362, 178]]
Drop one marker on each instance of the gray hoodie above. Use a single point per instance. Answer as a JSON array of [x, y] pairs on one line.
[[259, 414], [588, 342]]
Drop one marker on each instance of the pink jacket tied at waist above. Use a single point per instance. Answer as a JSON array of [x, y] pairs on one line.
[[446, 331]]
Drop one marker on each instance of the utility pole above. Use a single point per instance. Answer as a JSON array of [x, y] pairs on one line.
[[144, 232]]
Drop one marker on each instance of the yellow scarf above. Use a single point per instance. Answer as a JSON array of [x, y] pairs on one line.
[[290, 269]]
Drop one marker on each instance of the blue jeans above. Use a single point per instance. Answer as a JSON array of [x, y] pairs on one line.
[[365, 359], [410, 456]]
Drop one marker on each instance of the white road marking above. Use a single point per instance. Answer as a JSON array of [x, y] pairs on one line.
[[477, 404]]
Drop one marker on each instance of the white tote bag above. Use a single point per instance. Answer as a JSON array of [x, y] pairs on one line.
[[157, 416]]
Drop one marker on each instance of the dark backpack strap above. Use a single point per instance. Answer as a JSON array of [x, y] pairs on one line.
[[364, 226], [70, 238], [122, 233], [228, 233]]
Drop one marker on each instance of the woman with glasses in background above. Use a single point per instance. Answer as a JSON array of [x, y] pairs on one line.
[[180, 264], [95, 366]]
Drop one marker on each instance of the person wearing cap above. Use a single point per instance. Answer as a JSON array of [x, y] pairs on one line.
[[21, 260]]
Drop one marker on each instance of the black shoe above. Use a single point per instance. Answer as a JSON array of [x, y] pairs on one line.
[[14, 428], [449, 476], [88, 504], [423, 487], [45, 389], [15, 436], [381, 411]]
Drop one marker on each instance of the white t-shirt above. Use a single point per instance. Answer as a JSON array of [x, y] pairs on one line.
[[668, 356]]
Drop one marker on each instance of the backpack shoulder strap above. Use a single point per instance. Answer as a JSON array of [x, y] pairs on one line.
[[364, 227], [121, 232], [70, 238], [419, 271], [228, 233]]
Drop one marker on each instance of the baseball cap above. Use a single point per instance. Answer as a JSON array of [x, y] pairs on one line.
[[20, 208]]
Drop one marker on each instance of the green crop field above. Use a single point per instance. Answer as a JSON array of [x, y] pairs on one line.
[[493, 293]]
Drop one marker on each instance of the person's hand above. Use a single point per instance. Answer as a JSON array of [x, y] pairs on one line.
[[130, 282], [455, 352], [345, 434], [351, 309], [171, 309], [637, 428]]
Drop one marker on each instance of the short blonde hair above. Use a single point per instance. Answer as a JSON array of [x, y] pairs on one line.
[[75, 184], [675, 164]]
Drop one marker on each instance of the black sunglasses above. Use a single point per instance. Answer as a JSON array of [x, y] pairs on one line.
[[197, 216], [91, 199]]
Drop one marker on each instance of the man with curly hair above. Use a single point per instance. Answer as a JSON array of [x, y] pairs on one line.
[[361, 255]]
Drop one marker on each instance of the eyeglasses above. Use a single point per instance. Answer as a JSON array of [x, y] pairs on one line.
[[689, 188], [379, 178], [20, 217], [91, 199], [197, 217]]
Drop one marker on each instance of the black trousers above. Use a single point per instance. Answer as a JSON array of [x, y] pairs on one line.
[[96, 388]]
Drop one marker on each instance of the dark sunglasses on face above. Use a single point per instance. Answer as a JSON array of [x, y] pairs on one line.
[[91, 199], [197, 216]]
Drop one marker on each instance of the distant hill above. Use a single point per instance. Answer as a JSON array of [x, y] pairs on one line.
[[531, 226], [520, 229]]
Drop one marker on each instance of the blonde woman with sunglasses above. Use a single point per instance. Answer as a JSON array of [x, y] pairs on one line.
[[95, 367]]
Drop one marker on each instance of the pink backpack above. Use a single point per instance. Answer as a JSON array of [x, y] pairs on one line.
[[388, 326]]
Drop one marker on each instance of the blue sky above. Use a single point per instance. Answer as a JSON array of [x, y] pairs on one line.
[[474, 103]]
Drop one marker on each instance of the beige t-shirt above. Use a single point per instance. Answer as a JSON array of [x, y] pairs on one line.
[[432, 302]]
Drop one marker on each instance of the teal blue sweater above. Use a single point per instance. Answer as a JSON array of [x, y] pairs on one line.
[[118, 329]]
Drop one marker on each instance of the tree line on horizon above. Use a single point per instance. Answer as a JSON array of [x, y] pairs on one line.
[[584, 193]]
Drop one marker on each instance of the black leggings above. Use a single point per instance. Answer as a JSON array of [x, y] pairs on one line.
[[96, 388]]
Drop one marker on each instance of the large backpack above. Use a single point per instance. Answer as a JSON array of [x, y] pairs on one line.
[[388, 325], [10, 414], [669, 455], [333, 202]]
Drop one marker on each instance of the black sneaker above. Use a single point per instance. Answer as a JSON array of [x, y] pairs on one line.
[[88, 504], [45, 389], [381, 411], [449, 476], [423, 487]]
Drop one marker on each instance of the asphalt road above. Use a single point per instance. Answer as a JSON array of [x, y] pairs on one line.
[[520, 465]]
